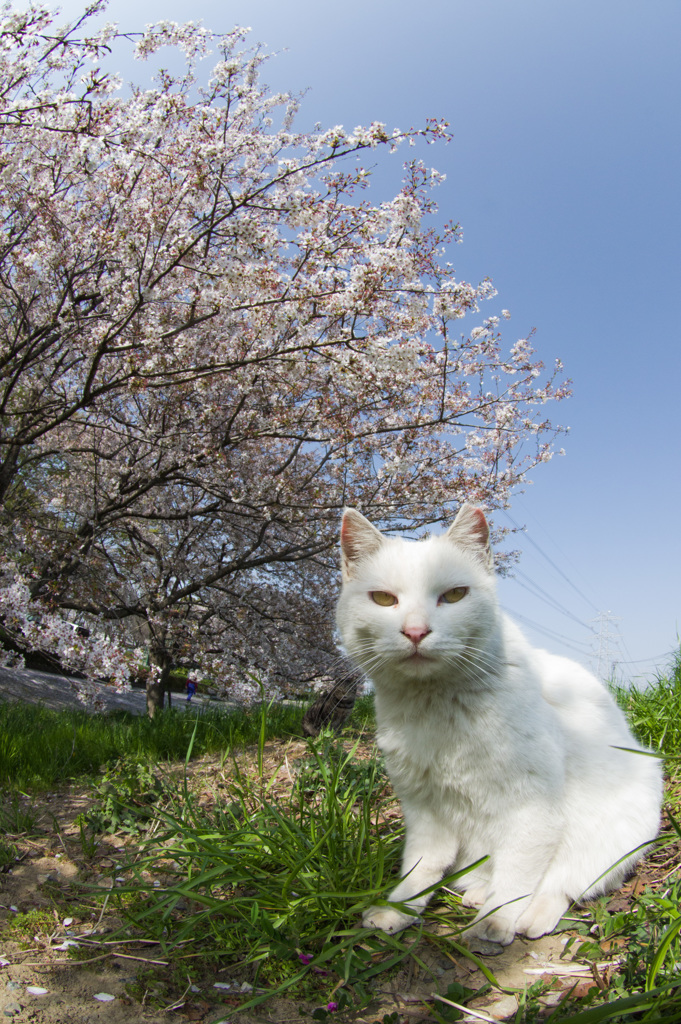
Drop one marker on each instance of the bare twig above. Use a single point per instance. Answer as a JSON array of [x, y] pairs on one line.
[[178, 1002], [465, 1009]]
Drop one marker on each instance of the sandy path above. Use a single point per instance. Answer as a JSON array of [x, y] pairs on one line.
[[61, 691]]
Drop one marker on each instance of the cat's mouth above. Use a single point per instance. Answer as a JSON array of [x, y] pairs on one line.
[[417, 655]]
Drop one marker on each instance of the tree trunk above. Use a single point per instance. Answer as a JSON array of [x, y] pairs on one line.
[[156, 687], [333, 708], [8, 469]]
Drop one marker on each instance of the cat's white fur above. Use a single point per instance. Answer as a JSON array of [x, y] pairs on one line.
[[494, 748]]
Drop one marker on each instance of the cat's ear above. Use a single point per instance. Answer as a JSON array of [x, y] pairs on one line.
[[358, 540], [470, 530]]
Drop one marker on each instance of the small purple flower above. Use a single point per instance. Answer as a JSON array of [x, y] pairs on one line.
[[307, 958], [332, 1007]]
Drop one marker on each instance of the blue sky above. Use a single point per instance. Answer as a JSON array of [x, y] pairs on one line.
[[565, 174]]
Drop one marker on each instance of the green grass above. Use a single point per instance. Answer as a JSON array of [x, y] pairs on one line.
[[268, 885], [73, 743], [363, 716], [654, 711], [277, 886]]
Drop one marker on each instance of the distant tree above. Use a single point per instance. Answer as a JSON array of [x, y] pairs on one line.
[[211, 341]]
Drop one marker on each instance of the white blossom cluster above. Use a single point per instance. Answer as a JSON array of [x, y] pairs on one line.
[[38, 629]]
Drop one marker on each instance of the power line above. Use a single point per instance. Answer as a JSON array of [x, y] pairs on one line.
[[534, 588], [604, 638], [557, 568], [552, 635], [565, 558], [642, 661]]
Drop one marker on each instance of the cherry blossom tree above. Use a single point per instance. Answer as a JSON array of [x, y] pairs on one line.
[[211, 340]]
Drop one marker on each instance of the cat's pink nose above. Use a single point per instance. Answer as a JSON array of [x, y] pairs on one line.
[[416, 633]]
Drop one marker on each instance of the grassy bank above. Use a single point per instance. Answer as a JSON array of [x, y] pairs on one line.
[[40, 747], [256, 870], [274, 881], [654, 711]]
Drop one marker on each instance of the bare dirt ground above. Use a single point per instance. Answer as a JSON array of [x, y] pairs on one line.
[[46, 891], [47, 907], [41, 982]]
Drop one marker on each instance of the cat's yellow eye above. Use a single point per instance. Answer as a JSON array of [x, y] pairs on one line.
[[383, 598], [453, 595]]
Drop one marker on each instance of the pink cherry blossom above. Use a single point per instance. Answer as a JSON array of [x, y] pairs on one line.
[[211, 339]]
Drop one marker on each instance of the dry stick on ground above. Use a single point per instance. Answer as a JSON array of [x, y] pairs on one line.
[[181, 1001], [466, 1009]]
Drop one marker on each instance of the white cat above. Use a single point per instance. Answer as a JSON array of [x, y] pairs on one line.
[[495, 749]]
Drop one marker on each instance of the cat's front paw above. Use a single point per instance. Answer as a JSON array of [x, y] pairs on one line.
[[494, 928], [542, 915], [475, 896], [387, 919]]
